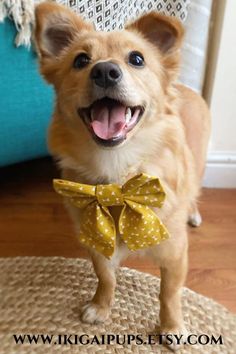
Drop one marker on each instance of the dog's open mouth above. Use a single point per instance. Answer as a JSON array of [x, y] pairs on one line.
[[109, 120]]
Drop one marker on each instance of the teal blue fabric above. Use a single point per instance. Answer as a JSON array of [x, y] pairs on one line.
[[26, 102]]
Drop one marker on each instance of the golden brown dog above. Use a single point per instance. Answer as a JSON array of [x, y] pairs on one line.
[[119, 112]]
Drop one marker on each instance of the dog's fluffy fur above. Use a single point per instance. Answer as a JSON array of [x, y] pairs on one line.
[[169, 142]]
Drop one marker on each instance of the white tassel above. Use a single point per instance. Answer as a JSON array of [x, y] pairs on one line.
[[27, 18], [24, 36], [22, 13], [3, 11]]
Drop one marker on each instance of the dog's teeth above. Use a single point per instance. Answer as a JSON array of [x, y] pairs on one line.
[[128, 115], [118, 135]]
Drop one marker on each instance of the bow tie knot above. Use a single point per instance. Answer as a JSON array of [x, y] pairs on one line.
[[138, 225], [109, 195]]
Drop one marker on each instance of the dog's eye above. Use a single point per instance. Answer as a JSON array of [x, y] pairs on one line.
[[81, 61], [136, 59]]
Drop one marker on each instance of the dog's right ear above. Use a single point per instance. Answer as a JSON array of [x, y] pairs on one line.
[[56, 26], [55, 29]]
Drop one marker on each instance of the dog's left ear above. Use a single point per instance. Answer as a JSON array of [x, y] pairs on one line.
[[165, 32]]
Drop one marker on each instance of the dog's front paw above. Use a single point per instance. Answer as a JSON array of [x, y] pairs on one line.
[[93, 313], [174, 338]]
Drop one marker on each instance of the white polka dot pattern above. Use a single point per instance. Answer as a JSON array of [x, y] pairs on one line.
[[138, 225]]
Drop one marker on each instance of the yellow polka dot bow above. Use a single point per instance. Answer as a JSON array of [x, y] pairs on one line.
[[138, 225]]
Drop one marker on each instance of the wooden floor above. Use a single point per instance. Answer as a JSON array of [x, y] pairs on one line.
[[33, 222]]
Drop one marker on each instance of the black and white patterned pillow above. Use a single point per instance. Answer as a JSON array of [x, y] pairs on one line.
[[110, 15]]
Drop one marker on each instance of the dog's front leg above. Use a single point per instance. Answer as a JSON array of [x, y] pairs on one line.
[[173, 275], [98, 309]]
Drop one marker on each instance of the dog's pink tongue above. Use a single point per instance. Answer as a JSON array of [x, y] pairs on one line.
[[108, 122]]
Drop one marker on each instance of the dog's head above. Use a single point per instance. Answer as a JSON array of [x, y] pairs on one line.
[[108, 85]]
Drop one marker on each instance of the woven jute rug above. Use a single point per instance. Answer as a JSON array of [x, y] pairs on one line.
[[43, 296]]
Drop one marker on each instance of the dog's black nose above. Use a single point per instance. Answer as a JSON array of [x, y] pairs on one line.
[[106, 74]]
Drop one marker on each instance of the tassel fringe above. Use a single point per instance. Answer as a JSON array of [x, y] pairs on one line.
[[22, 13]]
